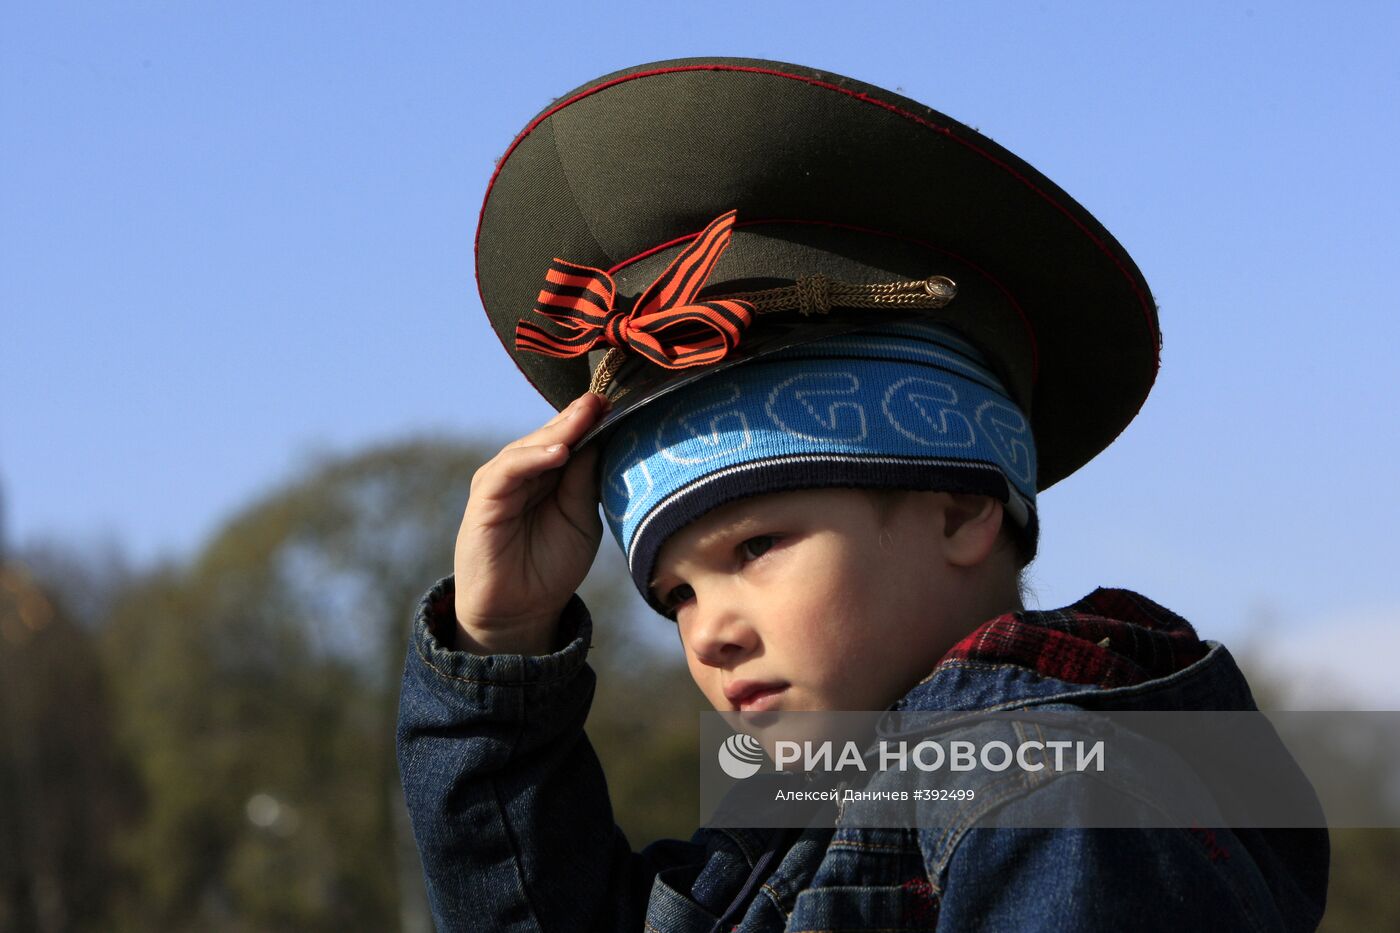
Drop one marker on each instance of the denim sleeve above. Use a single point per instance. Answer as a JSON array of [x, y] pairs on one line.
[[507, 799]]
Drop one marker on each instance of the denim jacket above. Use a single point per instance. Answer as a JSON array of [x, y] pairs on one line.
[[512, 818]]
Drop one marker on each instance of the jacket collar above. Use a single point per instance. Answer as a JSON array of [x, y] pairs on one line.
[[1114, 645]]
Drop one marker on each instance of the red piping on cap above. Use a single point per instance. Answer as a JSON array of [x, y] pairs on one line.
[[1143, 300]]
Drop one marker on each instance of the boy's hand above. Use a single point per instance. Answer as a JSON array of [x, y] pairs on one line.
[[530, 533]]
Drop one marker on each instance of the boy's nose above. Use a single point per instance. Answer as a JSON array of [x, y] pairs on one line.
[[719, 634]]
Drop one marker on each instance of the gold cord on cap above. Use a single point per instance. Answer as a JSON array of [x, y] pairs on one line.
[[815, 294]]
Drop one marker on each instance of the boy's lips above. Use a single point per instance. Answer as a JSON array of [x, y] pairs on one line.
[[753, 694]]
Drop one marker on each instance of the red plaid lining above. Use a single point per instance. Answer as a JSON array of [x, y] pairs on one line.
[[1143, 641], [442, 615]]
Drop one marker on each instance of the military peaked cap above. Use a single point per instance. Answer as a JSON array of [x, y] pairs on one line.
[[649, 221]]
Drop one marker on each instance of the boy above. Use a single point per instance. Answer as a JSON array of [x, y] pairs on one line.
[[837, 342]]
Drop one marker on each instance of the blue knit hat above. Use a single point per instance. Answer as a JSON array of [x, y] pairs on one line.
[[909, 405]]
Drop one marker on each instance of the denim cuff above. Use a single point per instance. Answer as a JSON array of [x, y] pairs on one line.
[[434, 633], [510, 703]]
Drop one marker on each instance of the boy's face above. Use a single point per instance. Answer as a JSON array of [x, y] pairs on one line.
[[813, 598]]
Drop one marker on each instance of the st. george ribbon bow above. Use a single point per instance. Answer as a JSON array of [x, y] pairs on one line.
[[665, 325]]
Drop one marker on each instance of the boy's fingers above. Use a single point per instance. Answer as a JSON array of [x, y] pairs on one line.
[[503, 474], [578, 487], [581, 402], [567, 426]]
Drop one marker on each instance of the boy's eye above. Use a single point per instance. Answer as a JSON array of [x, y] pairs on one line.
[[757, 546], [677, 596]]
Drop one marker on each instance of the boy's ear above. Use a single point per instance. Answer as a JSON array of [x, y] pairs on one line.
[[971, 527]]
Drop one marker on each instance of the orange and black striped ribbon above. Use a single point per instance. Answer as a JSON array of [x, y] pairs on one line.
[[665, 325]]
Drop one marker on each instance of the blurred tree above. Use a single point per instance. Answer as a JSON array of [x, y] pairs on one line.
[[90, 578], [1365, 862], [64, 793], [258, 690], [644, 723], [258, 694]]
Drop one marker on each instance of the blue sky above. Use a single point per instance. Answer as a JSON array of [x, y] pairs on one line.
[[235, 237]]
